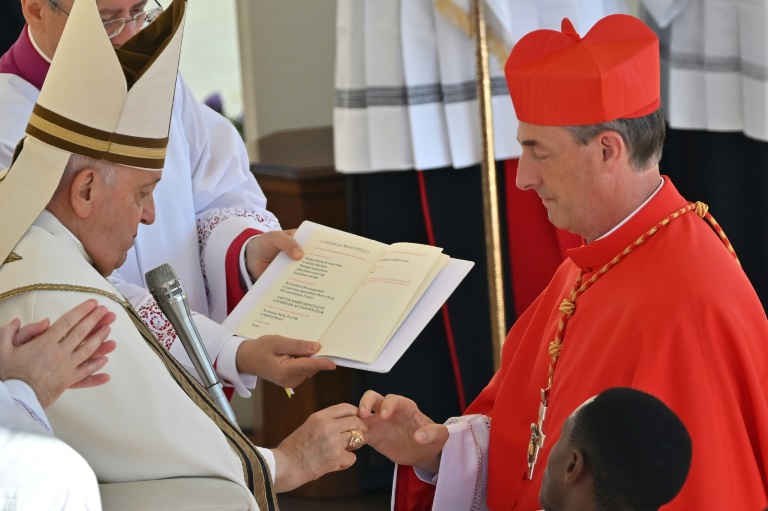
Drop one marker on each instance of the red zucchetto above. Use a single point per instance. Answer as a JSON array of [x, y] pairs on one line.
[[561, 79]]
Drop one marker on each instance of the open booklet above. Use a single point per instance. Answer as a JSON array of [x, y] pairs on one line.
[[363, 300]]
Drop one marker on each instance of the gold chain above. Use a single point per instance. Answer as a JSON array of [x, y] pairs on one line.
[[568, 305], [568, 308]]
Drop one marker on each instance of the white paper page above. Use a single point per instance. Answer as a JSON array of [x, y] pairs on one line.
[[271, 275], [368, 321], [313, 291], [434, 297]]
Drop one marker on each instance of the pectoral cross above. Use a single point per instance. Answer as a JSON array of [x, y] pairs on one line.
[[537, 435]]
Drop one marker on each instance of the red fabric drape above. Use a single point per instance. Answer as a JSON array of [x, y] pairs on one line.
[[536, 247], [235, 287], [411, 493]]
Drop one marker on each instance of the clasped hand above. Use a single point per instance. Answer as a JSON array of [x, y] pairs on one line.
[[66, 354], [392, 425], [318, 446], [398, 430]]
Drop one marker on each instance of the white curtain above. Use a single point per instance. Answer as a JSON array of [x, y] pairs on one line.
[[405, 78], [714, 63]]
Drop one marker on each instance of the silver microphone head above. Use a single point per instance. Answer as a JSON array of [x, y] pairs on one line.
[[160, 276], [163, 284]]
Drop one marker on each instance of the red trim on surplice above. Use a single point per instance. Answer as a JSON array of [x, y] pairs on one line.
[[236, 288]]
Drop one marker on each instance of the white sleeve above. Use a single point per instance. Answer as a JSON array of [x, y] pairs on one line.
[[220, 343], [217, 230], [221, 174], [20, 410], [17, 98], [42, 472], [243, 268], [462, 480], [227, 198]]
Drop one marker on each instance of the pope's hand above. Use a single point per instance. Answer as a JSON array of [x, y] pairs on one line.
[[317, 447], [399, 431], [281, 360], [261, 250], [66, 354]]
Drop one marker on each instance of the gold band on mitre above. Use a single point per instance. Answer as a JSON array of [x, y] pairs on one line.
[[74, 137]]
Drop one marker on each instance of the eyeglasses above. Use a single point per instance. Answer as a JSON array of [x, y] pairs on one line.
[[115, 26]]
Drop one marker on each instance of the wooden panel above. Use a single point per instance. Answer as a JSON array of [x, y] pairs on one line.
[[294, 197], [303, 149]]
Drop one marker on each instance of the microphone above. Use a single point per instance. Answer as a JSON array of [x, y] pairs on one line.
[[166, 289]]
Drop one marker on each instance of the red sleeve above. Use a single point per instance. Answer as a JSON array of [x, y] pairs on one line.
[[236, 288], [411, 493]]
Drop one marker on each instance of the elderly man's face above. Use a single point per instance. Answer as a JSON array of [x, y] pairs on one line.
[[53, 21], [564, 174], [118, 210]]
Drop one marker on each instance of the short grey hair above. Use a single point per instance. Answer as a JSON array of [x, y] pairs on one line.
[[644, 137], [76, 163]]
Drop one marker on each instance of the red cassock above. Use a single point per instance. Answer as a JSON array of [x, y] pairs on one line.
[[676, 318]]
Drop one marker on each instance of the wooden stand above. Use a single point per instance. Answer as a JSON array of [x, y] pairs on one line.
[[298, 177], [299, 180]]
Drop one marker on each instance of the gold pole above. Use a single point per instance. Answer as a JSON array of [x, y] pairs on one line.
[[490, 190]]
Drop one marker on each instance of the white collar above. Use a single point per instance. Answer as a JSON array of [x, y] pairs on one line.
[[36, 47], [51, 224], [641, 206]]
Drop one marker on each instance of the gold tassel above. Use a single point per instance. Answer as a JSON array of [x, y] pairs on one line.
[[462, 20], [13, 256]]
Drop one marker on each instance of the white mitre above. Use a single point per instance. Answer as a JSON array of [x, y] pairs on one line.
[[106, 104]]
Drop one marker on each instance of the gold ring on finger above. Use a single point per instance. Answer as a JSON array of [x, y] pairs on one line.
[[356, 441]]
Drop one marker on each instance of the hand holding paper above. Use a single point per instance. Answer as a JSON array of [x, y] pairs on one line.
[[281, 360], [364, 301]]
